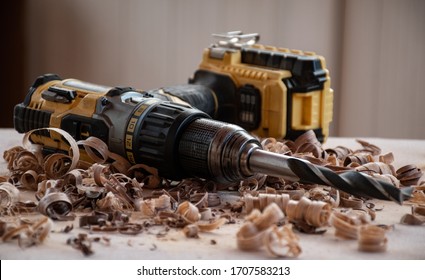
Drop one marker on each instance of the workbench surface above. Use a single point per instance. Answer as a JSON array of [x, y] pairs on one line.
[[404, 242]]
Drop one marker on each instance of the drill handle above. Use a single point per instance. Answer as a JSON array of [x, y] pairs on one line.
[[198, 96]]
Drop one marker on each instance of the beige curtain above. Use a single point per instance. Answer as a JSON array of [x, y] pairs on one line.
[[375, 50]]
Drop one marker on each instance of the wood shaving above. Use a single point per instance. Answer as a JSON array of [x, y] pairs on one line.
[[110, 222], [94, 146], [150, 207], [368, 148], [409, 175], [372, 239], [83, 243], [352, 202], [56, 205], [9, 196], [191, 231], [339, 152], [282, 242], [111, 190], [260, 230], [74, 152], [417, 217], [212, 225], [27, 233], [314, 213], [189, 212], [376, 167], [347, 225], [410, 219], [30, 180]]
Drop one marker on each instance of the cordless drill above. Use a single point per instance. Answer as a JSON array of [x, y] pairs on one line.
[[180, 141], [269, 91]]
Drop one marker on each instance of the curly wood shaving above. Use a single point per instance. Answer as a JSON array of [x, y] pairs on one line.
[[28, 234], [376, 167], [391, 179], [372, 239], [146, 207], [260, 230], [347, 225], [74, 151], [214, 199], [417, 217], [189, 212], [187, 216], [248, 185], [9, 196], [56, 205], [211, 225], [95, 218], [29, 180], [249, 238], [11, 154], [387, 158], [339, 152], [270, 144], [409, 175], [330, 196], [356, 160], [110, 203], [151, 207], [368, 147], [263, 200], [45, 187], [171, 219], [99, 173], [57, 165], [282, 242], [82, 243], [272, 214], [307, 137], [315, 213], [24, 161], [418, 195], [120, 190], [151, 181], [410, 219], [25, 207], [94, 147], [352, 202], [418, 209], [200, 200], [191, 231], [110, 222], [206, 214]]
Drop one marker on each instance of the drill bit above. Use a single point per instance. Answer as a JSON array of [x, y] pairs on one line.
[[227, 153], [352, 182]]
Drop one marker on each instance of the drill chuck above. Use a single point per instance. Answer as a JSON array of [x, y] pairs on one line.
[[217, 150]]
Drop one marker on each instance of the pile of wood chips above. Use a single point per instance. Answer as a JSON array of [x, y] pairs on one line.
[[103, 196]]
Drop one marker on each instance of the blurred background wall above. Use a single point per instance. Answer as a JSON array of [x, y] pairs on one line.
[[375, 50]]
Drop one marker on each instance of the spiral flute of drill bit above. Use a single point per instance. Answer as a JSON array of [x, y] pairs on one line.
[[353, 182]]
